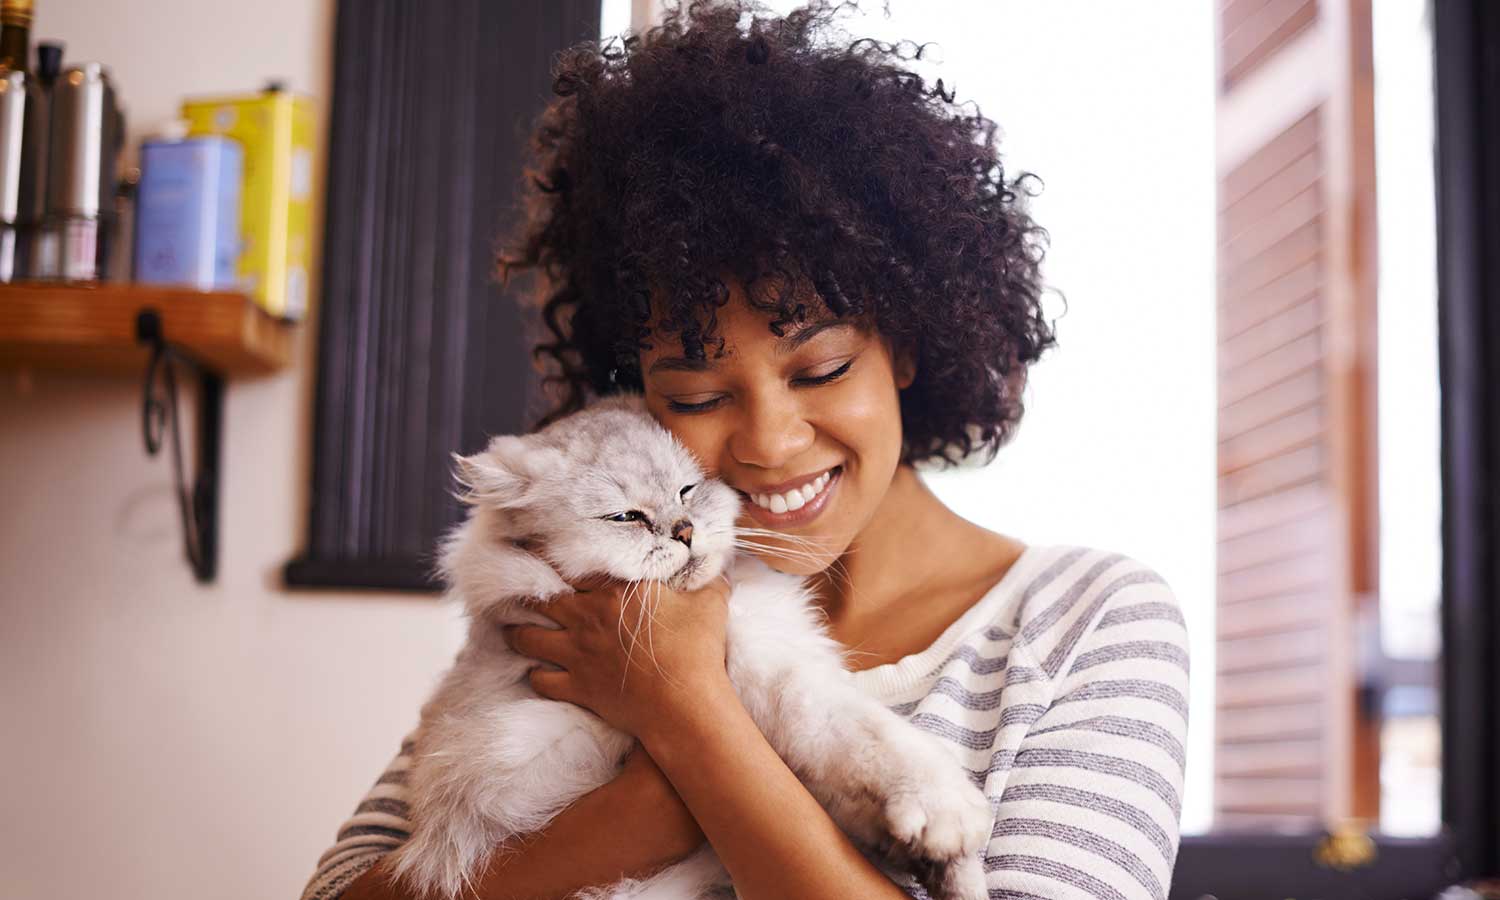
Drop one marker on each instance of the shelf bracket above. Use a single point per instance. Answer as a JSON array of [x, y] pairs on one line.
[[199, 503]]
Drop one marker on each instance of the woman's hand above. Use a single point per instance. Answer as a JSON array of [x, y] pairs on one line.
[[650, 828], [636, 655]]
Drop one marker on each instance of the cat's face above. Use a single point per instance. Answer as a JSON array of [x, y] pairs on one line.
[[608, 491]]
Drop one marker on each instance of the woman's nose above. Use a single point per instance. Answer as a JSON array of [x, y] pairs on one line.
[[771, 434]]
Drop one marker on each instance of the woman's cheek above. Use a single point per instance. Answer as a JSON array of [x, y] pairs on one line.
[[867, 418], [699, 436]]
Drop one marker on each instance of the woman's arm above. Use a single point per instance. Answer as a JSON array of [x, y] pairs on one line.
[[1093, 798], [773, 836], [648, 828]]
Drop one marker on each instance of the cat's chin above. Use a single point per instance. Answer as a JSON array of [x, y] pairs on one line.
[[697, 573]]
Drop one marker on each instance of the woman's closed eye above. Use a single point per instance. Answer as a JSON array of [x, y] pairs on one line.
[[827, 377], [696, 403], [689, 404]]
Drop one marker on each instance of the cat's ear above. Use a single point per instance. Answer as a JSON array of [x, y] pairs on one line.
[[503, 473]]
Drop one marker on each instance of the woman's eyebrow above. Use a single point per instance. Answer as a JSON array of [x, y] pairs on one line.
[[679, 364], [808, 332], [785, 345]]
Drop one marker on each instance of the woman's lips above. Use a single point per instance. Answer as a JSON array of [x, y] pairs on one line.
[[794, 518]]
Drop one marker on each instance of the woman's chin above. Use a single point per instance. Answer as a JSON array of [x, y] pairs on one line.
[[788, 558]]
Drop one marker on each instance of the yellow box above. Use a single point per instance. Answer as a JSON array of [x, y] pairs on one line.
[[276, 130]]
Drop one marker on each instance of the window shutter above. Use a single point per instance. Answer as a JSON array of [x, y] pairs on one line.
[[1297, 536], [420, 352]]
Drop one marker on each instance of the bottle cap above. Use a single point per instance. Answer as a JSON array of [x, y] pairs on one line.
[[48, 60], [16, 12], [174, 130]]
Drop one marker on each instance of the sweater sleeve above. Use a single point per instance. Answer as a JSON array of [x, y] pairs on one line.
[[378, 825], [1092, 804]]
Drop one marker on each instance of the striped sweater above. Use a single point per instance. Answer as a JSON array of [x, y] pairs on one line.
[[1063, 691]]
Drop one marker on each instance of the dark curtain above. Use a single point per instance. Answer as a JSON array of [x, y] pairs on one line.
[[420, 351], [1467, 70]]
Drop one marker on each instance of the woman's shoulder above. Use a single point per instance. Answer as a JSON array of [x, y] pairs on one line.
[[1068, 600], [1055, 591], [1048, 580]]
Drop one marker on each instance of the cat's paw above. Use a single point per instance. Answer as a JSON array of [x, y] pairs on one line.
[[939, 827], [959, 879]]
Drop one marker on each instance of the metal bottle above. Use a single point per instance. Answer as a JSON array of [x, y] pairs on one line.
[[23, 166], [23, 135], [87, 133]]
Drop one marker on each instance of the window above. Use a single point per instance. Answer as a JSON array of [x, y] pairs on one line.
[[1246, 397]]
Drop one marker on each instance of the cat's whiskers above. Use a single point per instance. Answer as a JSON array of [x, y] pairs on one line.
[[787, 553], [744, 540], [646, 616], [821, 543], [801, 548], [632, 589], [620, 623], [836, 568], [653, 600]]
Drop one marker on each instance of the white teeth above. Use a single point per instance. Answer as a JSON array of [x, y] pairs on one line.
[[795, 498]]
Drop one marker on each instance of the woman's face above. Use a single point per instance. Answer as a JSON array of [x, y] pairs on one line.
[[807, 427]]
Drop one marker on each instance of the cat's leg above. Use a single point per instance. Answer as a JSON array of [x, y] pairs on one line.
[[888, 784], [492, 578], [492, 774]]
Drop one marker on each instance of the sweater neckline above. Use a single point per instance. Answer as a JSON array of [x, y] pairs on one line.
[[893, 679]]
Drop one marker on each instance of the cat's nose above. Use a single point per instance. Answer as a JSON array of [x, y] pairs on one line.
[[683, 531]]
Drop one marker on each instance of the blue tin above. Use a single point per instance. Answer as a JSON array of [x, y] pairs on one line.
[[187, 222]]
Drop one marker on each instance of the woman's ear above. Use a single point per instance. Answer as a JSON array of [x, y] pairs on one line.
[[904, 366]]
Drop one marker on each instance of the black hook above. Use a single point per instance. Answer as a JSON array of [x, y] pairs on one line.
[[199, 506]]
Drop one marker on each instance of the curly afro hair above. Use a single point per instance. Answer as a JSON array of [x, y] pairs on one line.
[[774, 150]]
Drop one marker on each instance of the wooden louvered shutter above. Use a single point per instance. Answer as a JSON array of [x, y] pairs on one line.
[[1297, 538]]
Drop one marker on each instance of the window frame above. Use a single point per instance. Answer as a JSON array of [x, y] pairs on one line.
[[1254, 866]]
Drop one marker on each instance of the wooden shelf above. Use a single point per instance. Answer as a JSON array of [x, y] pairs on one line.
[[92, 328]]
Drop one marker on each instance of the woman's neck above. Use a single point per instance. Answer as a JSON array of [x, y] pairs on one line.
[[914, 545], [914, 569]]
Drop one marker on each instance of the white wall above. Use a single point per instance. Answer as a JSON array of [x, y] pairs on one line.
[[1112, 105], [160, 738]]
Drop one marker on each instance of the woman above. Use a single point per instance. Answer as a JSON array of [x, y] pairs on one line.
[[813, 264]]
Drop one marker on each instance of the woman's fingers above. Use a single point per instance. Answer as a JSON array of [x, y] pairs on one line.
[[552, 685], [535, 642], [593, 583], [562, 610], [569, 610]]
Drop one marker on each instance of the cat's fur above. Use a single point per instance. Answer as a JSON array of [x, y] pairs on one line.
[[493, 759]]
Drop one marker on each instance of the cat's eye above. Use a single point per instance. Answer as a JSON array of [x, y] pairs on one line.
[[633, 515], [682, 495]]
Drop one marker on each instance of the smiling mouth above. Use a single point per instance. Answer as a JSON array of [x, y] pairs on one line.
[[794, 507], [795, 498]]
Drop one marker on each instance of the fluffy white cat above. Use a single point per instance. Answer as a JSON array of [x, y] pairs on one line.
[[609, 491]]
